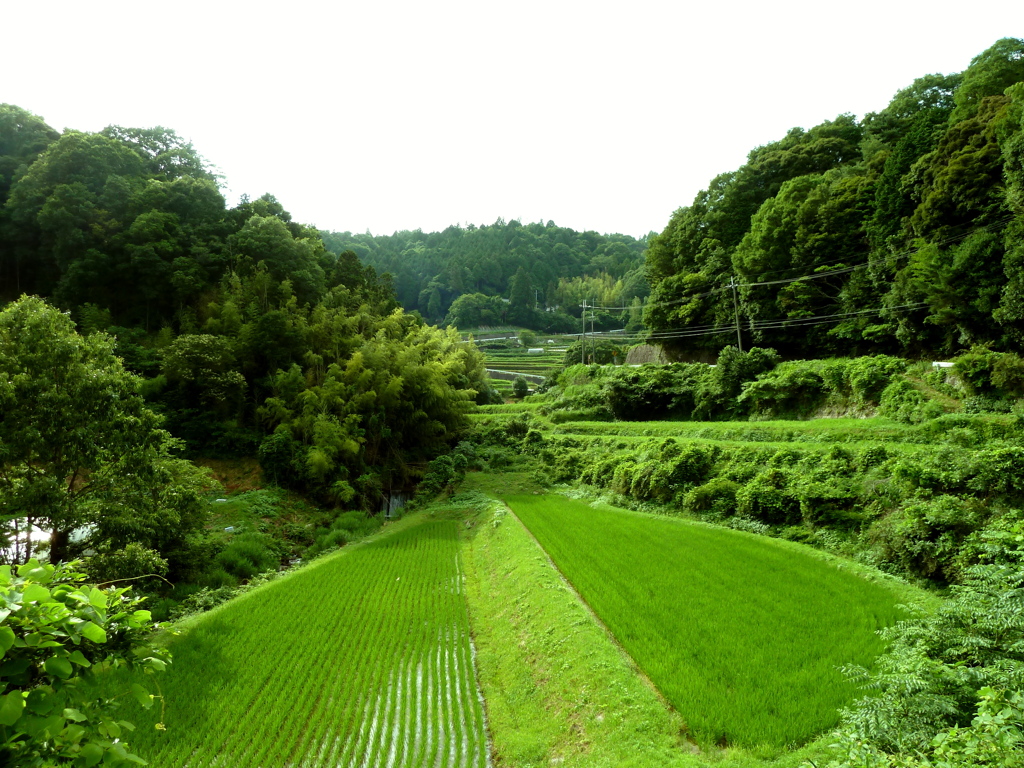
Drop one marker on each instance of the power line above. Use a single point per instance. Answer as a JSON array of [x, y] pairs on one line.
[[775, 324], [818, 275]]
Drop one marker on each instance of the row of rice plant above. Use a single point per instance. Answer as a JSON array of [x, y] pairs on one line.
[[362, 659], [817, 430], [521, 361], [528, 406], [743, 635]]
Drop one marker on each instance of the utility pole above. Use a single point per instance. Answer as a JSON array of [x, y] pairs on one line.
[[593, 336], [583, 336], [736, 312]]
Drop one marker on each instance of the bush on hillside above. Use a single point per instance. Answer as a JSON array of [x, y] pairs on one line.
[[715, 498], [923, 537], [718, 392], [903, 402], [831, 503], [794, 388], [655, 391], [134, 562], [994, 374], [594, 352], [767, 498], [248, 554]]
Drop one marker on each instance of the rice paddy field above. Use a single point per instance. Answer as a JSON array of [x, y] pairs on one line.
[[518, 360], [606, 637], [361, 659], [742, 634]]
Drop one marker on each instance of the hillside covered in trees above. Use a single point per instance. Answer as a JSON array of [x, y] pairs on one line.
[[243, 333], [901, 233], [534, 275]]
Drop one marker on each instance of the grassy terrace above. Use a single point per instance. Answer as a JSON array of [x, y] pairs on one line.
[[519, 360], [362, 658], [742, 634]]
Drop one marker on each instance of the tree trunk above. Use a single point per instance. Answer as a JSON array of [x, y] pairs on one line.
[[59, 541]]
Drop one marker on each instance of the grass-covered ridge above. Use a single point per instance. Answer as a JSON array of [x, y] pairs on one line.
[[743, 635], [361, 658]]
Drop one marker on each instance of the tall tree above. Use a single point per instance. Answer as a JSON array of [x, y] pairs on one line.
[[78, 446]]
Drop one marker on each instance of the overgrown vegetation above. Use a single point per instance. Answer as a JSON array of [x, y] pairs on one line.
[[947, 692], [756, 385]]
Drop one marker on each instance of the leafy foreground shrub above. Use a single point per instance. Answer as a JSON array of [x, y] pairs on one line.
[[948, 690], [55, 633]]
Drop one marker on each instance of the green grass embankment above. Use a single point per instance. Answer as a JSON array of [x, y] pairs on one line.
[[558, 690]]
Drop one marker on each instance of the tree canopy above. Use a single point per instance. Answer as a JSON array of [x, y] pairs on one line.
[[897, 233], [79, 449], [536, 262]]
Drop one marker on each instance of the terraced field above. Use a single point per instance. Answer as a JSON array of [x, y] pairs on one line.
[[362, 659], [521, 361], [744, 635]]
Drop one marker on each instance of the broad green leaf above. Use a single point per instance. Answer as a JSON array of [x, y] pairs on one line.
[[13, 667], [35, 572], [6, 640], [11, 707], [41, 700], [98, 598], [93, 631], [155, 664], [91, 754], [74, 714], [53, 725], [144, 698], [111, 729], [58, 666], [36, 593], [32, 725], [79, 658]]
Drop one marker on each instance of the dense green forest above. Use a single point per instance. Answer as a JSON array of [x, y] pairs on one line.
[[228, 332], [534, 275], [899, 233]]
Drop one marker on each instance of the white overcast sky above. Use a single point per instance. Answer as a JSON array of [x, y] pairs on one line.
[[383, 115]]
